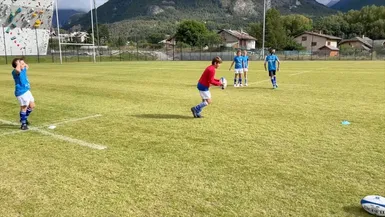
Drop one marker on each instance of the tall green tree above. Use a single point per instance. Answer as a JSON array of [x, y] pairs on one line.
[[256, 30], [333, 25], [155, 38], [369, 21], [295, 24], [275, 31], [209, 39], [104, 34], [191, 32]]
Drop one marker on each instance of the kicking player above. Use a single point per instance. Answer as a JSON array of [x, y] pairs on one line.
[[22, 91], [207, 78], [245, 59], [238, 60], [272, 60]]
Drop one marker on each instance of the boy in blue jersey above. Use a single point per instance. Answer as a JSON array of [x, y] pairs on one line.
[[238, 60], [22, 91], [273, 66], [245, 65]]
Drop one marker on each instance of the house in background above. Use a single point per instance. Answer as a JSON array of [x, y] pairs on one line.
[[75, 37], [79, 37], [328, 51], [357, 43], [237, 39], [169, 43], [319, 43], [363, 43]]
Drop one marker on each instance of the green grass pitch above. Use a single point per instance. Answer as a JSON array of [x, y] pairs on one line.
[[257, 151]]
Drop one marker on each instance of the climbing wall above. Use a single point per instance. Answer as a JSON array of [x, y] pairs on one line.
[[25, 26]]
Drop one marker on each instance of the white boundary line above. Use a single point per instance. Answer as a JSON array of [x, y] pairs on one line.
[[74, 120], [57, 136], [70, 140], [259, 81], [12, 132], [300, 73]]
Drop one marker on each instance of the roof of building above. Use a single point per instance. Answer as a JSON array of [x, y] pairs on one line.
[[330, 37], [237, 34], [329, 47], [357, 39]]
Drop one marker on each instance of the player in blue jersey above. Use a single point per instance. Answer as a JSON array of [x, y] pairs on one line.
[[273, 64], [238, 60], [245, 65], [22, 91]]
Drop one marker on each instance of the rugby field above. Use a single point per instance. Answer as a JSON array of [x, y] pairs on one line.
[[125, 142]]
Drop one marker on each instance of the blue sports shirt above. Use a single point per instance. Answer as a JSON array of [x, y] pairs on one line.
[[272, 62], [245, 62], [21, 82], [238, 62]]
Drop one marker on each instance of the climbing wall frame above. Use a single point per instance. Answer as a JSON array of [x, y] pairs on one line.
[[25, 26]]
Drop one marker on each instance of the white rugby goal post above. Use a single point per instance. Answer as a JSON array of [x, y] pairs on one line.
[[92, 8]]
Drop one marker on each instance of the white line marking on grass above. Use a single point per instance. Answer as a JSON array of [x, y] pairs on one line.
[[56, 136], [8, 122], [289, 75], [70, 140], [75, 120], [261, 81], [12, 132], [299, 73]]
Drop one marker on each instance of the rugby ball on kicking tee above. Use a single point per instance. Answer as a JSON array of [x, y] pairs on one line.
[[224, 82], [374, 204]]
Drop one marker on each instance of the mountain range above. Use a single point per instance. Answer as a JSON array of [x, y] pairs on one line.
[[65, 15], [220, 11], [156, 15]]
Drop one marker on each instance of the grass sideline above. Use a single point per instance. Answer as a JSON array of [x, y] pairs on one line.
[[257, 152]]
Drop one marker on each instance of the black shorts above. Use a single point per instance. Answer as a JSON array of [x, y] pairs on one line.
[[272, 73]]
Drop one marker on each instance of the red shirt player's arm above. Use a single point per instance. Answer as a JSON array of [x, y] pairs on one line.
[[214, 81]]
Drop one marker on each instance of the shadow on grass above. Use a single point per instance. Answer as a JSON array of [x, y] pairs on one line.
[[163, 116], [356, 211]]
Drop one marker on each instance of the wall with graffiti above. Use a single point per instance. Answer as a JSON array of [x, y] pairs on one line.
[[25, 27]]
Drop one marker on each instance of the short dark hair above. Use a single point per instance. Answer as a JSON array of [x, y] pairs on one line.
[[14, 62], [216, 60]]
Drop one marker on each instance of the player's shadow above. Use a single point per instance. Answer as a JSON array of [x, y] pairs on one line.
[[163, 116], [356, 211]]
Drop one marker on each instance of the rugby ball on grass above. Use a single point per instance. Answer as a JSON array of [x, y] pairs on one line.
[[374, 204], [224, 82]]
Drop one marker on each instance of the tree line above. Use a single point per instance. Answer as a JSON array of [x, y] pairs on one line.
[[281, 30]]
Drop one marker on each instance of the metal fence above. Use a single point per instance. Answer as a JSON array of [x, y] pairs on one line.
[[150, 52]]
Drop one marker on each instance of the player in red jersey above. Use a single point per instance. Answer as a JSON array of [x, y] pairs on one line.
[[207, 79]]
